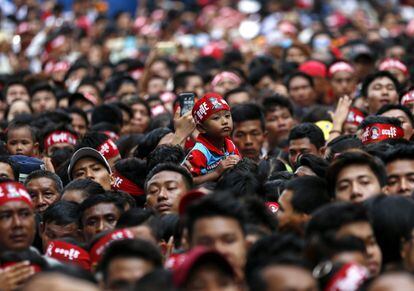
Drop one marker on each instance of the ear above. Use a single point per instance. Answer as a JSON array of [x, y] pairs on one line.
[[200, 128], [322, 151], [386, 190], [112, 180], [405, 248]]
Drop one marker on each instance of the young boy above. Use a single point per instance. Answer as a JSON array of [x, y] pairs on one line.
[[21, 139], [214, 152]]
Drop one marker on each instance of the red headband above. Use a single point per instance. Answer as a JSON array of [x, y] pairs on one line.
[[60, 136], [272, 206], [112, 135], [393, 64], [108, 149], [408, 98], [210, 103], [381, 131], [355, 116], [70, 253], [349, 277], [124, 184], [14, 191], [340, 67], [99, 247], [229, 75]]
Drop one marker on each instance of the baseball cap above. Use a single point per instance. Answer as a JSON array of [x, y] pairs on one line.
[[27, 165], [86, 152]]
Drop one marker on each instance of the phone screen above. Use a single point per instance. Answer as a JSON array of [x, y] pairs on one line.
[[186, 102]]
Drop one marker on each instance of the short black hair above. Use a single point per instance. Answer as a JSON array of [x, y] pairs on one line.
[[310, 131], [17, 124], [13, 165], [140, 216], [379, 119], [401, 152], [372, 77], [216, 204], [165, 153], [92, 139], [317, 164], [93, 200], [240, 182], [299, 74], [235, 91], [270, 103], [259, 73], [309, 193], [80, 112], [259, 215], [88, 187], [180, 79], [389, 107], [170, 167], [45, 174], [355, 158], [107, 113], [12, 82], [150, 142], [342, 143], [130, 248], [62, 213], [248, 112], [42, 87]]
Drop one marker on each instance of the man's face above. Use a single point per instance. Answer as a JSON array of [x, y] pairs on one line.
[[301, 146], [99, 218], [195, 84], [356, 183], [363, 231], [249, 138], [400, 177], [43, 192], [164, 191], [286, 211], [123, 272], [6, 171], [405, 120], [43, 101], [278, 124], [286, 277], [52, 231], [301, 92], [17, 92], [225, 235], [238, 98], [210, 277], [343, 83], [17, 226], [380, 92], [89, 168], [79, 124]]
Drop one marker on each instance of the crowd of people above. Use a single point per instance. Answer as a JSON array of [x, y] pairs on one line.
[[207, 145]]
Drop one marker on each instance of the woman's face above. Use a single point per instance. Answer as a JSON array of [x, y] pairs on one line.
[[18, 107]]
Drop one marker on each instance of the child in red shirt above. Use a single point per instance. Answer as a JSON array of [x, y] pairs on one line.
[[214, 152]]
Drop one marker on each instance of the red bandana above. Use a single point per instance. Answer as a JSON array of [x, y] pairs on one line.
[[380, 131], [388, 64], [14, 191], [126, 185], [60, 136], [225, 75], [208, 105], [408, 98], [355, 116], [349, 277], [340, 67], [70, 253], [108, 149]]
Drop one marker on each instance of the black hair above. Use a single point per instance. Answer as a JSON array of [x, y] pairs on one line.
[[130, 248], [216, 204], [45, 174], [355, 158], [125, 198], [169, 226], [379, 119], [240, 182], [259, 215], [62, 213], [14, 82], [247, 112], [123, 107], [317, 164], [157, 280], [107, 113], [42, 87], [127, 142], [88, 187], [105, 126], [342, 143], [165, 154], [180, 79], [372, 77], [140, 216], [13, 165], [270, 103], [171, 167], [392, 217], [80, 112], [402, 152], [299, 74], [310, 131], [93, 200], [92, 139], [389, 107], [17, 124], [150, 142], [259, 73], [308, 193], [235, 91], [317, 113], [90, 82]]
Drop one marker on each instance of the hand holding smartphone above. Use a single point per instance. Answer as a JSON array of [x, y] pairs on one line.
[[187, 101]]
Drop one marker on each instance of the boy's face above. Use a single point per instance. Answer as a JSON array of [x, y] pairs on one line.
[[20, 142], [279, 122], [218, 125], [249, 138], [380, 92]]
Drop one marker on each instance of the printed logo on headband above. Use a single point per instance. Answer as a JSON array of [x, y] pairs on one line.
[[408, 98], [379, 131], [340, 67], [108, 149], [124, 184], [14, 191], [388, 64], [60, 137], [272, 206], [355, 116], [67, 252], [349, 277], [208, 105]]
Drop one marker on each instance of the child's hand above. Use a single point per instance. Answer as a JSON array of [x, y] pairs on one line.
[[227, 163]]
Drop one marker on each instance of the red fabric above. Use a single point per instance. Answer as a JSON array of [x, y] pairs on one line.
[[393, 64], [68, 253], [349, 277], [314, 68], [108, 149], [378, 131], [340, 67], [124, 184], [355, 116], [408, 98], [60, 136], [273, 206], [225, 75], [208, 105], [14, 191]]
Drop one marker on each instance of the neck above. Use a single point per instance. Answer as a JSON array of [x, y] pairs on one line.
[[218, 142]]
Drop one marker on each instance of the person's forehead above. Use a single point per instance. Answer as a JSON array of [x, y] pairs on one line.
[[166, 176], [41, 93], [395, 113], [247, 125], [16, 87], [298, 80], [400, 164], [209, 225], [86, 162], [5, 167], [52, 226], [42, 182], [361, 229], [101, 208], [14, 206], [355, 170], [300, 142], [381, 80]]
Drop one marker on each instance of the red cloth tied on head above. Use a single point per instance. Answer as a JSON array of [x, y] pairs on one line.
[[408, 98], [112, 135], [350, 277], [68, 253], [381, 131], [313, 68], [393, 64], [225, 75], [210, 103], [126, 185], [14, 191], [340, 67], [60, 136], [108, 149], [355, 116], [99, 247], [272, 206]]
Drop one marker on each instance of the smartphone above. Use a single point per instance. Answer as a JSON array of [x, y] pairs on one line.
[[187, 101]]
